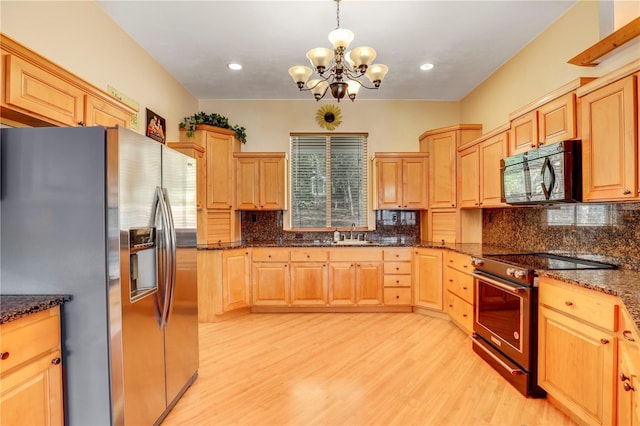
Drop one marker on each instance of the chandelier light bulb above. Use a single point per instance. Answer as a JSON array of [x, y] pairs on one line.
[[341, 37], [362, 57], [320, 58], [376, 73], [300, 74]]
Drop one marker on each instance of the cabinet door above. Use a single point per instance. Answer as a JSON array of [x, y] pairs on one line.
[[272, 186], [247, 181], [309, 284], [442, 170], [576, 366], [38, 92], [100, 113], [442, 225], [414, 183], [235, 281], [427, 276], [609, 142], [557, 120], [369, 283], [32, 394], [628, 379], [524, 133], [469, 188], [491, 152], [271, 284], [342, 283], [220, 176], [389, 172]]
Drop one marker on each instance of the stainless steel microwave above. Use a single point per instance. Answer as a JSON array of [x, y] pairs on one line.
[[550, 174]]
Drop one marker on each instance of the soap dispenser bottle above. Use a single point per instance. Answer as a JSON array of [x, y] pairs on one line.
[[336, 236]]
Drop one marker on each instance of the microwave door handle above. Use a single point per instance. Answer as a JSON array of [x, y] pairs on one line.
[[547, 166]]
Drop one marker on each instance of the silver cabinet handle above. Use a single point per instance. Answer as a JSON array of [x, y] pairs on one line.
[[512, 371]]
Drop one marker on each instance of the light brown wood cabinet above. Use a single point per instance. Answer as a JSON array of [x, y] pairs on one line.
[[628, 374], [400, 181], [309, 277], [31, 374], [427, 278], [37, 92], [442, 145], [552, 118], [610, 162], [224, 283], [362, 265], [577, 349], [218, 222], [458, 284], [442, 225], [260, 181], [397, 276], [270, 277], [479, 178]]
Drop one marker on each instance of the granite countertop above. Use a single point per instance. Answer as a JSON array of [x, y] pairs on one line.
[[13, 307]]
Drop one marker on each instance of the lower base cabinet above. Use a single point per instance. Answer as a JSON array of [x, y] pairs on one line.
[[628, 374], [31, 375], [427, 279]]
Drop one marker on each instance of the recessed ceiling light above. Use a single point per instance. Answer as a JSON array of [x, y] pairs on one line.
[[426, 67], [234, 66]]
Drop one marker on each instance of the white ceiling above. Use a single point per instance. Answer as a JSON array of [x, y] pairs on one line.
[[466, 40]]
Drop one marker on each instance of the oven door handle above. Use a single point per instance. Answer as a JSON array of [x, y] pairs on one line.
[[512, 371], [502, 286]]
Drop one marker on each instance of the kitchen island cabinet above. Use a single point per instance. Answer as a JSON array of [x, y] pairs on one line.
[[31, 388]]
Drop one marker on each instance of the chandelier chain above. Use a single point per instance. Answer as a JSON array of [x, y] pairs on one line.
[[338, 13]]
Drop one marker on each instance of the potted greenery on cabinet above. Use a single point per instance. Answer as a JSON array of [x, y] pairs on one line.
[[190, 124]]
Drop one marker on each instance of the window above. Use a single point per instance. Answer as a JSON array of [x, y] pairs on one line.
[[329, 181]]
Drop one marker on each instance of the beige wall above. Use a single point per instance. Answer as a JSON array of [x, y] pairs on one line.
[[392, 125], [541, 66], [80, 37]]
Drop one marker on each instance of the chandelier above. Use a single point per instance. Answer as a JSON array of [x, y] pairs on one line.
[[338, 71]]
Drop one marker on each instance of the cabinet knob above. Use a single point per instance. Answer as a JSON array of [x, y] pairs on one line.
[[450, 280], [464, 315], [4, 355], [397, 281], [533, 145], [604, 341], [623, 377], [451, 306], [568, 303], [464, 288], [626, 192], [628, 387], [628, 336], [399, 207], [397, 269], [81, 123], [55, 361], [453, 205]]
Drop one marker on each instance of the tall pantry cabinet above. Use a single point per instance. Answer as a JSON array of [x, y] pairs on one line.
[[213, 149]]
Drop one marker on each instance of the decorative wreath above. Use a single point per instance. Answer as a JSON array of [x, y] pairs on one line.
[[329, 117]]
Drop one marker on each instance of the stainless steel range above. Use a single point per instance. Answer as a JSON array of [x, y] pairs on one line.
[[506, 311]]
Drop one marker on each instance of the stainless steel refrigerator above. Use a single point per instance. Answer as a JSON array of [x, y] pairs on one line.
[[109, 217]]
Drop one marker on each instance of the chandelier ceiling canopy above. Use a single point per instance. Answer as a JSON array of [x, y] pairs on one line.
[[342, 73]]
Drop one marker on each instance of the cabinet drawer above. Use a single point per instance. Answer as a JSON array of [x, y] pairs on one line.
[[588, 305], [355, 255], [460, 311], [391, 280], [311, 255], [459, 261], [29, 337], [397, 267], [459, 283], [270, 255], [397, 296], [398, 254]]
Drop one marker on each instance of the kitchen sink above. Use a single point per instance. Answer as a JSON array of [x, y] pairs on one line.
[[352, 243]]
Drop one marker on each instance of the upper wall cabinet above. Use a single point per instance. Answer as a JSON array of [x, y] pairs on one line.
[[400, 180], [610, 163], [442, 145], [479, 180], [39, 93], [260, 180], [552, 118]]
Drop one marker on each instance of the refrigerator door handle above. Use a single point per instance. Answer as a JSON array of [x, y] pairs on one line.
[[159, 224], [172, 255], [165, 259]]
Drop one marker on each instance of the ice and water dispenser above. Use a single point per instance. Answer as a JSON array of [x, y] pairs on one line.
[[143, 261]]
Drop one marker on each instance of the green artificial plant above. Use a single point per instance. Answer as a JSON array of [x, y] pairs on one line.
[[190, 123]]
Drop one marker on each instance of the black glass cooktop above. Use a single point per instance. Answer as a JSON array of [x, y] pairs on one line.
[[550, 261]]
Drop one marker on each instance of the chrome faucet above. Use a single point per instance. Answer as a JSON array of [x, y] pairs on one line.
[[353, 228]]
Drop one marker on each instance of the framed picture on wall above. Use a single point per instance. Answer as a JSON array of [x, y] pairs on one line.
[[156, 127]]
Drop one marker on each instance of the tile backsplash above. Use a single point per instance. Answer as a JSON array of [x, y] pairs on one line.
[[402, 226], [609, 230]]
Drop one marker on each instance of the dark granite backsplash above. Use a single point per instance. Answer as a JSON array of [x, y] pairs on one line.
[[267, 226], [609, 230]]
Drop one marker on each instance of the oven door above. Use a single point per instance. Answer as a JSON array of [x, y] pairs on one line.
[[502, 317]]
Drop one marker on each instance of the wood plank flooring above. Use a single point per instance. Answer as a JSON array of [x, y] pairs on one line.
[[349, 369]]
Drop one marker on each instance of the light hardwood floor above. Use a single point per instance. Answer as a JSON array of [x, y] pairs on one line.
[[349, 369]]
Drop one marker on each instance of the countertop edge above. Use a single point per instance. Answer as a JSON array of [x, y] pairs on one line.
[[15, 306]]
